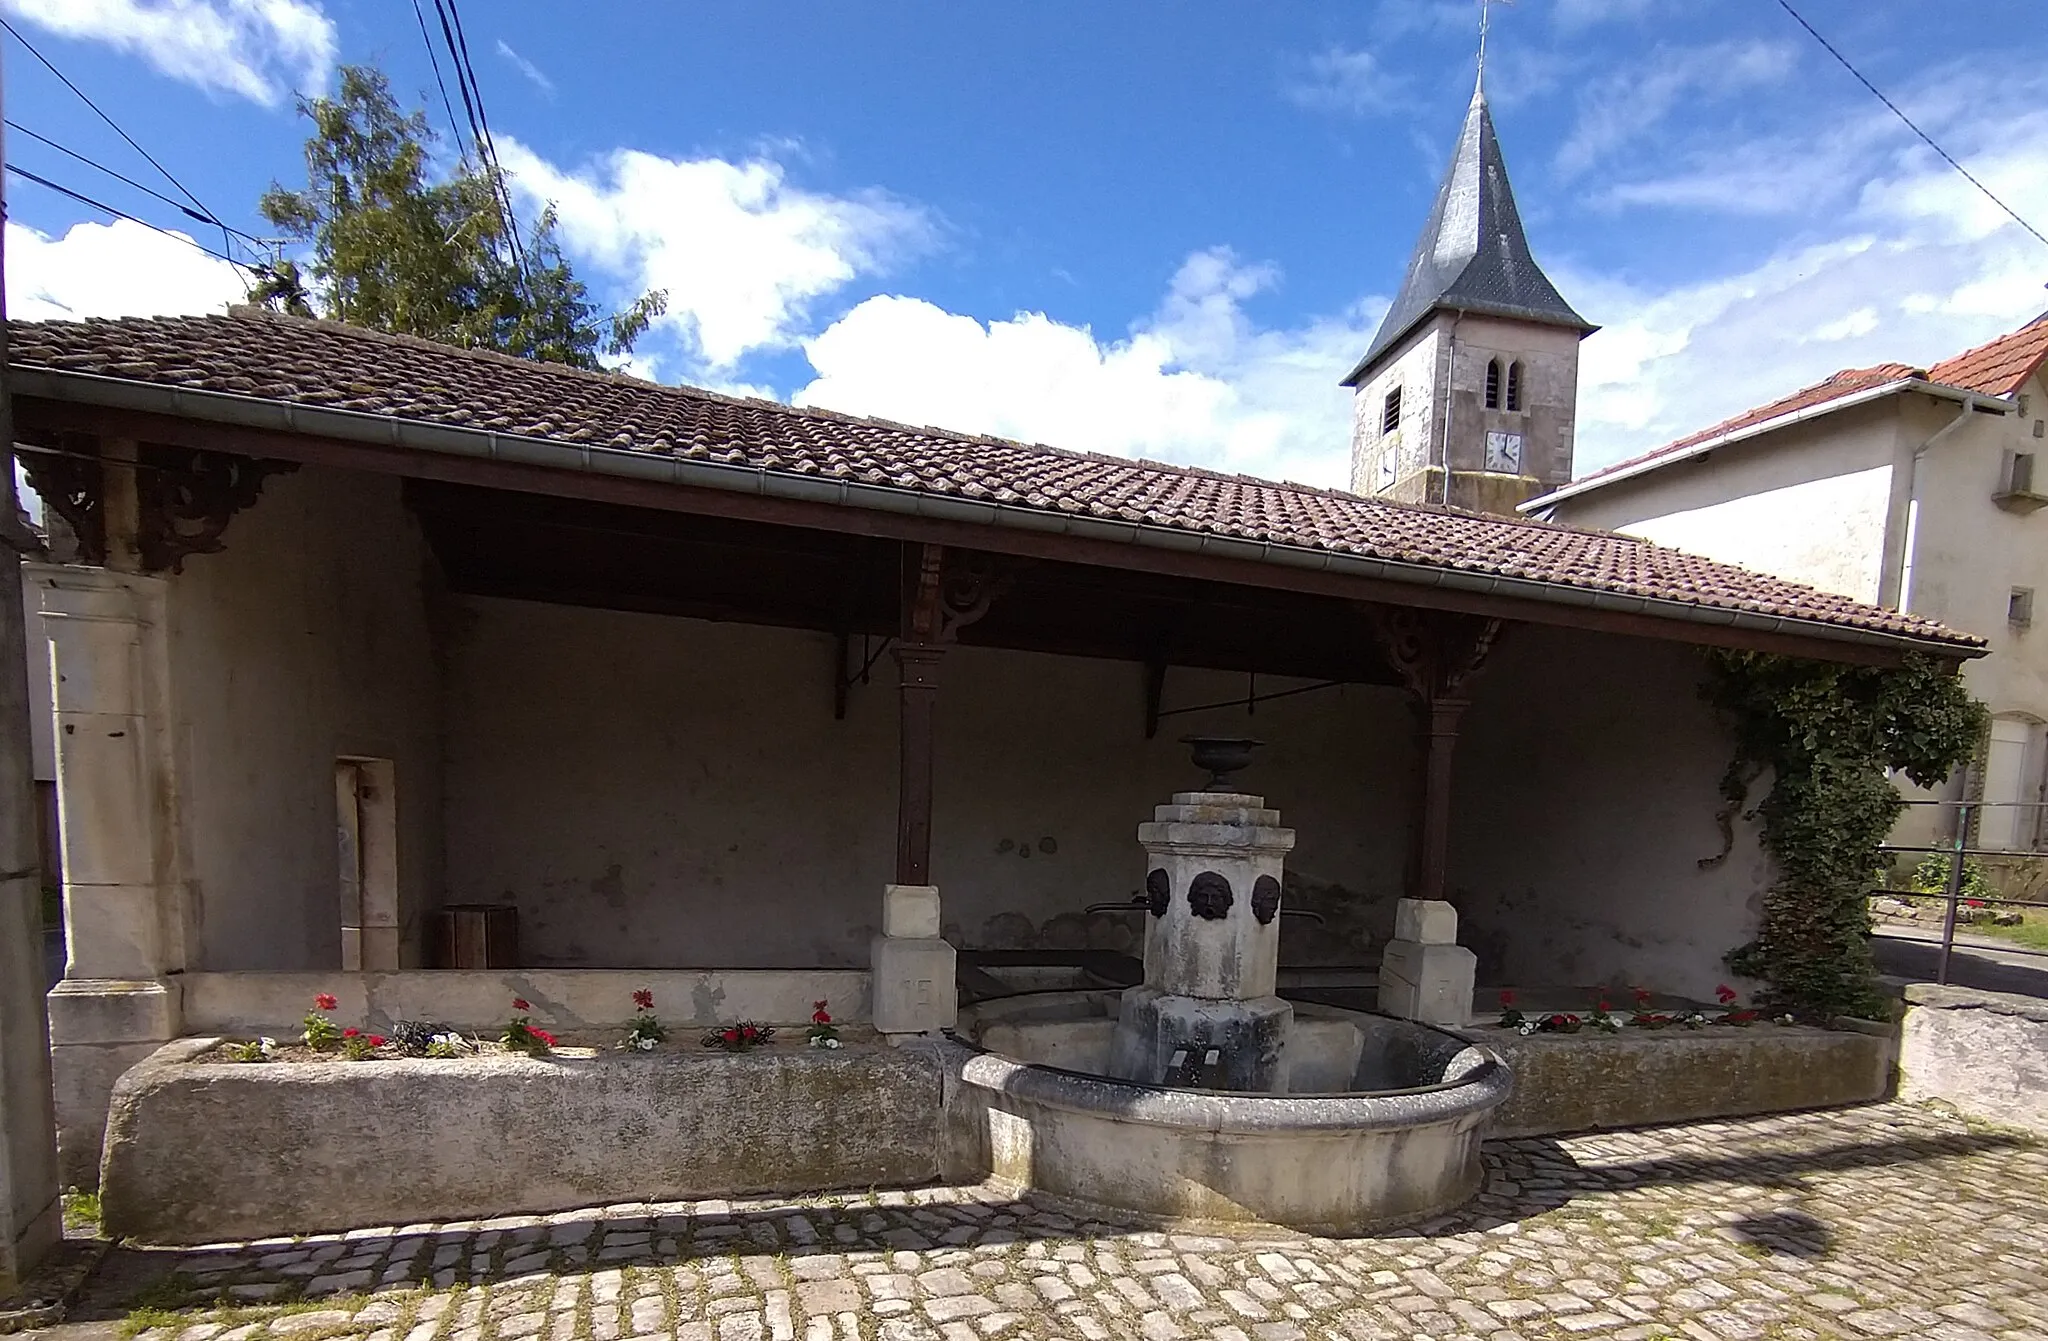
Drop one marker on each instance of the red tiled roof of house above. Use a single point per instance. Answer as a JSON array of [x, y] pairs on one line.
[[329, 365], [1997, 368], [1844, 383], [2000, 367]]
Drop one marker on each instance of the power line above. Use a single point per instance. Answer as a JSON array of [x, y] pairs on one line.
[[435, 60], [211, 217], [84, 199], [479, 132], [490, 145], [183, 209], [1928, 139]]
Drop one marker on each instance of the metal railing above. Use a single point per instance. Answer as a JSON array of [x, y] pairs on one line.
[[1968, 816]]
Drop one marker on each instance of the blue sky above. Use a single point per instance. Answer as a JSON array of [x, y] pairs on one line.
[[1159, 229]]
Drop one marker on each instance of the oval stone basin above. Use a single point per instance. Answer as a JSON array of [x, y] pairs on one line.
[[1380, 1122]]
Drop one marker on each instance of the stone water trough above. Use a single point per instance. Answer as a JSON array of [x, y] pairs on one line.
[[1381, 1121]]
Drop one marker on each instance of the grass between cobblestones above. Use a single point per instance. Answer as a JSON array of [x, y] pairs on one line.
[[1883, 1221]]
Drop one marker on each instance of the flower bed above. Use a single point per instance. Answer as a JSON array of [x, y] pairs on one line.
[[328, 1144]]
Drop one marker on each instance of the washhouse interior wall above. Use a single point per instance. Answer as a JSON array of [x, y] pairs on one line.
[[1586, 796], [305, 640], [651, 790]]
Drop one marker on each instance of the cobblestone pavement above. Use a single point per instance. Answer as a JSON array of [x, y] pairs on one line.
[[1885, 1221]]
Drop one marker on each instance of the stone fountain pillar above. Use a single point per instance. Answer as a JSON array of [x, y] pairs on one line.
[[1206, 1014]]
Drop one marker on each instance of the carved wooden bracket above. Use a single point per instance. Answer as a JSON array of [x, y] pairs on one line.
[[950, 590], [187, 498], [1434, 652], [67, 478]]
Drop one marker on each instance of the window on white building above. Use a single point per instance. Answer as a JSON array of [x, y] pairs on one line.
[[1515, 385], [1390, 413], [1493, 384], [2019, 607]]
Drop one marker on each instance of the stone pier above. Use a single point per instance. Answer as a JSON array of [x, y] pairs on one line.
[[1207, 1014], [124, 912]]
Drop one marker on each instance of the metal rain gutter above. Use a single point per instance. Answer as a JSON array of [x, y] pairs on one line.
[[384, 430], [1973, 400]]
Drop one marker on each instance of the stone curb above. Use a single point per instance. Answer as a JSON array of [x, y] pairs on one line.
[[48, 1294]]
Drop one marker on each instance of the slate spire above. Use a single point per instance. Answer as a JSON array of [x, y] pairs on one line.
[[1473, 255]]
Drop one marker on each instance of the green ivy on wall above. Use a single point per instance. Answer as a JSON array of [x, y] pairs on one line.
[[1829, 735]]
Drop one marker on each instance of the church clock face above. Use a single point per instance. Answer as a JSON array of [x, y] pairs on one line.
[[1504, 453]]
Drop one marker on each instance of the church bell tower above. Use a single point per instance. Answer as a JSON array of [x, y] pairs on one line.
[[1468, 393]]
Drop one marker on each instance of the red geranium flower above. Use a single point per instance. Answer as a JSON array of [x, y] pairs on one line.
[[519, 1003], [731, 1035], [644, 999], [1642, 996], [544, 1036], [1507, 997], [376, 1040], [1603, 1004], [350, 1032], [819, 1015], [1724, 994], [324, 1001], [1973, 903], [749, 1033]]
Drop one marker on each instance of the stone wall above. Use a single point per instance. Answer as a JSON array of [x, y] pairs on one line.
[[655, 790], [305, 640], [338, 1145], [1986, 1053], [1585, 798]]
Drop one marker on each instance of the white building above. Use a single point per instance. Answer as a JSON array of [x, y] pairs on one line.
[[1912, 488]]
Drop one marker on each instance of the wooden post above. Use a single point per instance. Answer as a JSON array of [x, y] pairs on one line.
[[1444, 713], [918, 666], [1435, 654]]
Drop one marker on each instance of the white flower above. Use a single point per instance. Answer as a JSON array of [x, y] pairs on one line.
[[644, 1044], [1526, 1027], [831, 1042], [266, 1046]]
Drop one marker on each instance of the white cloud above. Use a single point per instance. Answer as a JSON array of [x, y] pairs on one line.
[[742, 252], [1912, 267], [526, 67], [1343, 80], [1623, 107], [1197, 382], [255, 49], [1862, 321], [1584, 13], [112, 270]]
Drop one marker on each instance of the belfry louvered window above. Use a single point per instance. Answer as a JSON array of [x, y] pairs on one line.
[[1515, 385], [1493, 384]]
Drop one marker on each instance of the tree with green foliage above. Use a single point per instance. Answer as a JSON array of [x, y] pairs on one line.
[[396, 248], [1831, 736]]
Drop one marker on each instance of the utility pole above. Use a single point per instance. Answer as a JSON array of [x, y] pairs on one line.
[[31, 1220]]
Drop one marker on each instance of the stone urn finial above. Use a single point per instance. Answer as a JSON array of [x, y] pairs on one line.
[[1220, 757]]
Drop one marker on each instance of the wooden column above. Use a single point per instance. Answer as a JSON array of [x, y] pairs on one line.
[[1435, 654], [942, 593], [918, 668], [1444, 713]]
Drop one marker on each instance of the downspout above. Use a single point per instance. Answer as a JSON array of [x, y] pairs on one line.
[[1953, 790], [1902, 555]]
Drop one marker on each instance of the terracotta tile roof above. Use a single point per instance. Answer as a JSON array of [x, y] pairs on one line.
[[2001, 367], [317, 363]]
